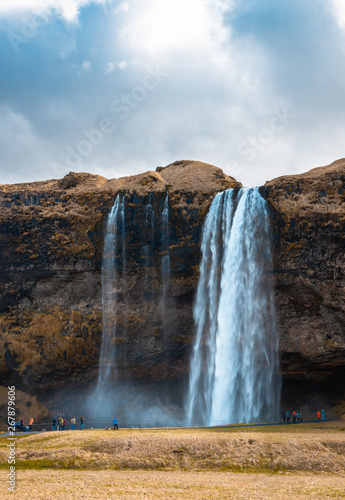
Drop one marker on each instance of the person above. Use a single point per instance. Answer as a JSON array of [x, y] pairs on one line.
[[319, 415], [294, 416], [115, 424], [298, 416], [287, 417], [59, 423], [73, 423], [22, 424], [53, 424], [64, 423], [81, 423], [284, 416], [323, 415], [31, 424]]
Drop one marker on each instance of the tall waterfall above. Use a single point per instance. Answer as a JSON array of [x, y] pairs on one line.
[[235, 365], [150, 228], [109, 295], [165, 263]]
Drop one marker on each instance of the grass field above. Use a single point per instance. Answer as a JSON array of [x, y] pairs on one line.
[[306, 460]]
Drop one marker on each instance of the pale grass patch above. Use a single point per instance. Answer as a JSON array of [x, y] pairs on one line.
[[183, 449], [128, 485]]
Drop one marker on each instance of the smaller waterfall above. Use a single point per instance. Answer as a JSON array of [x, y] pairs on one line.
[[234, 374], [165, 263], [109, 292], [149, 230]]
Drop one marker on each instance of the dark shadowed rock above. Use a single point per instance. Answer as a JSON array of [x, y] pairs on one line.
[[308, 218]]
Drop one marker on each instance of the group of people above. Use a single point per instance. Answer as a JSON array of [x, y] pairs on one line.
[[296, 416], [59, 423], [21, 427]]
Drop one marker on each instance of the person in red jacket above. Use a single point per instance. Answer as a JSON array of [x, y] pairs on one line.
[[319, 415]]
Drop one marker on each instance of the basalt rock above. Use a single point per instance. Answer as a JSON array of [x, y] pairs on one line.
[[308, 222], [51, 245]]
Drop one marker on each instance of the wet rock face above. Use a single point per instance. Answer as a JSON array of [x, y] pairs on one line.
[[308, 222], [51, 246]]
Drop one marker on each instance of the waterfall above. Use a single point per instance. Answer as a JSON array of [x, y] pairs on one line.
[[235, 365], [165, 263], [149, 229], [109, 292]]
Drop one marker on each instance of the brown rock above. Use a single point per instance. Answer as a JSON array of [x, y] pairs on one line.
[[51, 244], [308, 218]]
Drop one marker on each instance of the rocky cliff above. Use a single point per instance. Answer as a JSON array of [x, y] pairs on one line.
[[51, 245], [308, 222]]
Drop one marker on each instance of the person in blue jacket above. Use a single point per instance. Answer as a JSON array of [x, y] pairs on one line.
[[323, 415], [115, 424]]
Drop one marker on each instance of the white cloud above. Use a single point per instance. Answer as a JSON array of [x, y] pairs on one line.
[[339, 9], [123, 7], [86, 66], [68, 9], [22, 149], [226, 72], [109, 67], [158, 27], [122, 65]]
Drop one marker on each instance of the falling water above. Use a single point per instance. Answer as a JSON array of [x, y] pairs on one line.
[[165, 263], [234, 366], [109, 302], [149, 229]]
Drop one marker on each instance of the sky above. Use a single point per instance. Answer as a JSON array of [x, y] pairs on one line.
[[116, 88]]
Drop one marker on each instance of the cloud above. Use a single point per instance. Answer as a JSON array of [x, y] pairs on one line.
[[230, 69], [85, 67], [153, 28], [339, 10], [109, 67], [22, 148], [122, 64], [68, 9], [123, 7]]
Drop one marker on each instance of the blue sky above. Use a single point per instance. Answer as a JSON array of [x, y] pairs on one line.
[[120, 87]]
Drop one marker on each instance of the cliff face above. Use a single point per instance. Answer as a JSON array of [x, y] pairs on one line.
[[51, 246], [308, 219]]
